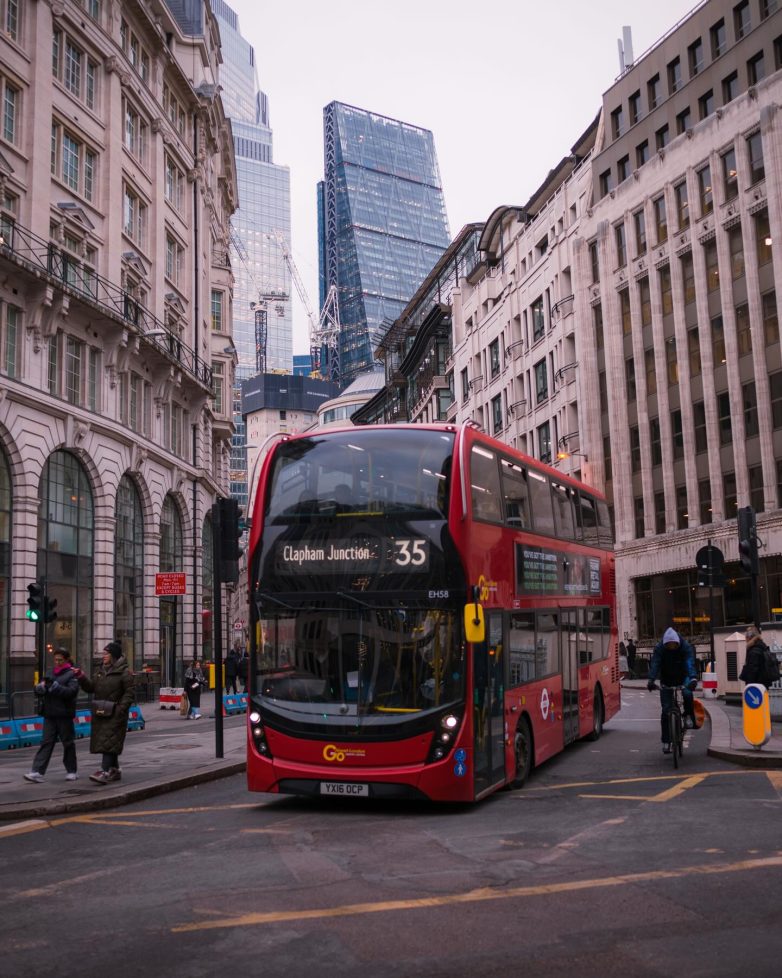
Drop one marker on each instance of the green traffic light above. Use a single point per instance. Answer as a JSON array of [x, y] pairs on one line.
[[33, 615]]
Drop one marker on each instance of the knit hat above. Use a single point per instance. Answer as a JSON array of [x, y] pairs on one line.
[[114, 649], [671, 635]]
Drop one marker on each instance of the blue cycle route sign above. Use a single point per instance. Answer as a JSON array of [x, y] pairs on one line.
[[753, 698]]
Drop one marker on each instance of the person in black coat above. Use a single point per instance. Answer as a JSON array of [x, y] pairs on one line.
[[754, 670], [630, 652], [57, 692], [195, 681], [242, 670], [112, 696], [231, 670]]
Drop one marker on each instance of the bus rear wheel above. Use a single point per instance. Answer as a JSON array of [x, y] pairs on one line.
[[598, 716], [523, 753]]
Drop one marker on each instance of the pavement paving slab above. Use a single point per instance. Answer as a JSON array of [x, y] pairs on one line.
[[172, 753]]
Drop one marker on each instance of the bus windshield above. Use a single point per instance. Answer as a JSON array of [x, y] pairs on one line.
[[404, 474], [361, 662]]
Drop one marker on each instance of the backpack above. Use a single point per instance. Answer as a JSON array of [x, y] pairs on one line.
[[770, 667]]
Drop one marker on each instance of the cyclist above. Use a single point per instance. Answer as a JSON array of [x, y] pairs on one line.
[[673, 660]]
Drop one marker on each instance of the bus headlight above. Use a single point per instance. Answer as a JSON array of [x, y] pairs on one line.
[[258, 734], [444, 736]]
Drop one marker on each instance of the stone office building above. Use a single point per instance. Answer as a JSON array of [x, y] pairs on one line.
[[115, 312], [622, 323], [678, 271]]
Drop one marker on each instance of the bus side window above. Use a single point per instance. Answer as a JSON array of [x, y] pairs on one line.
[[515, 494], [485, 485], [589, 519], [604, 533], [540, 491], [563, 511]]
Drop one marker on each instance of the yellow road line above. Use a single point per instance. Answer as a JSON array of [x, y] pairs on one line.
[[775, 777], [657, 777], [679, 788], [476, 896]]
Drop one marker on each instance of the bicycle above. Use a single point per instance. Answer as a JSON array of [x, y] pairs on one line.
[[675, 722]]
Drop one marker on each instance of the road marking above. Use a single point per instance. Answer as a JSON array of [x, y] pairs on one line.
[[775, 777], [476, 896], [21, 828], [679, 788], [53, 888], [529, 789], [114, 818]]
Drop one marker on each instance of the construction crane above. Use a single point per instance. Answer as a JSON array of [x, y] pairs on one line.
[[324, 331]]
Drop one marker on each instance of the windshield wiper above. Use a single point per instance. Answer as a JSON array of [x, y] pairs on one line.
[[263, 596]]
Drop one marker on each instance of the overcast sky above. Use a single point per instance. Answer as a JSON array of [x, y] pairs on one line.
[[506, 86]]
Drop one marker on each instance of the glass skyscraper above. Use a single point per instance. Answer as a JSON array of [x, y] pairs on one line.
[[382, 224], [262, 282], [264, 206]]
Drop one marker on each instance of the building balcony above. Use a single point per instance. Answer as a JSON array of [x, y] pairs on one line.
[[59, 269], [562, 308]]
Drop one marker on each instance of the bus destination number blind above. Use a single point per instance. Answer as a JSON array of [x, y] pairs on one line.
[[359, 554]]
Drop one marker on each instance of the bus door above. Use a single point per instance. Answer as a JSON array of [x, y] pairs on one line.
[[570, 674], [488, 697]]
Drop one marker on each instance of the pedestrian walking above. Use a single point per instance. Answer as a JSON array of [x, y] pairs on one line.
[[630, 652], [195, 681], [57, 694], [112, 695], [232, 669], [244, 661]]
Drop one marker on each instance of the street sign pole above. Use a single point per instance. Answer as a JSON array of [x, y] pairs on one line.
[[217, 628], [711, 603]]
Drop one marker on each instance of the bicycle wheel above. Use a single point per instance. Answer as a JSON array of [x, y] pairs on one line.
[[681, 735], [675, 733]]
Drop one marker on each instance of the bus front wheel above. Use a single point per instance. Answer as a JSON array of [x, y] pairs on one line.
[[523, 753], [598, 715]]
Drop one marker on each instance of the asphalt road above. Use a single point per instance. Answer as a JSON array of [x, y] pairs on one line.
[[607, 863]]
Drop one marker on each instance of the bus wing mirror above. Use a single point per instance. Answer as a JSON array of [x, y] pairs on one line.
[[474, 623]]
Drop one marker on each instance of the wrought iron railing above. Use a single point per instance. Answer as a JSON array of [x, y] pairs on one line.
[[25, 248]]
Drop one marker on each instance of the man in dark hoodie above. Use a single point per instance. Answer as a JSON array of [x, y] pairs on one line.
[[57, 691], [673, 660]]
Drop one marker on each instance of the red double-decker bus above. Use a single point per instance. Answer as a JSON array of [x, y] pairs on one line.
[[432, 614]]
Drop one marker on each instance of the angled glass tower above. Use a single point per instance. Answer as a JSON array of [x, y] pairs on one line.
[[382, 223]]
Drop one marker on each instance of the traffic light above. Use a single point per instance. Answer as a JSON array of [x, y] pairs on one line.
[[748, 541], [49, 604], [35, 609], [230, 534]]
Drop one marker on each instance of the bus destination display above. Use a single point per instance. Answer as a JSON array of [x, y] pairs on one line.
[[543, 571]]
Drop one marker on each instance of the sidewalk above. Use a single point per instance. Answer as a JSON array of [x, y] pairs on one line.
[[727, 738], [170, 753]]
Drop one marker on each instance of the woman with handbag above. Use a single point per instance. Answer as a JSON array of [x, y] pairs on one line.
[[195, 681], [112, 696]]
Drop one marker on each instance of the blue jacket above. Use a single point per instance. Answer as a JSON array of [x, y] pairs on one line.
[[676, 667]]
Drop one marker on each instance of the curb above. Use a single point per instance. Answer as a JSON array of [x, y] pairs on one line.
[[123, 796], [721, 743]]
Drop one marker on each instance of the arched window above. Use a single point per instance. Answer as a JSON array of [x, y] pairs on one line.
[[129, 573], [172, 670], [65, 553], [5, 571], [207, 589]]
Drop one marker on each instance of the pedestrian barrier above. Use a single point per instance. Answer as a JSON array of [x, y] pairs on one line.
[[170, 697], [136, 720], [9, 737], [709, 681], [82, 724], [30, 731], [234, 703]]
